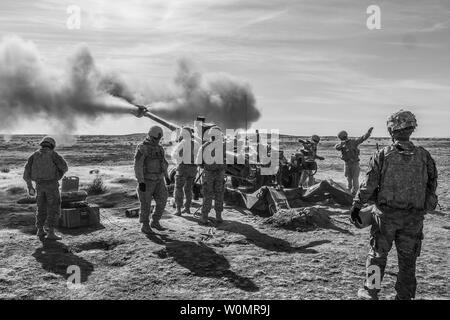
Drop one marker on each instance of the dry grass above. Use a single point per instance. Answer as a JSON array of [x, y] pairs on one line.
[[97, 186]]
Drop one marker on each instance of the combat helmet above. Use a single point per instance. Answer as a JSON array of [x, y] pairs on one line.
[[315, 138], [155, 132], [343, 135], [401, 120], [49, 141], [366, 219]]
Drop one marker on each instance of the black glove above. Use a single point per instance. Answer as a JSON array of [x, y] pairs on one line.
[[354, 215], [142, 187]]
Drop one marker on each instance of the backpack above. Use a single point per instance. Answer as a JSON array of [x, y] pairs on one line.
[[403, 180]]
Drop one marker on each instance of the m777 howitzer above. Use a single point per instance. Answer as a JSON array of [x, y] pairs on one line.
[[241, 174], [247, 180]]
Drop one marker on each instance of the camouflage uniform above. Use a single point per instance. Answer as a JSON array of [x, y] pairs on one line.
[[350, 155], [402, 179], [150, 167], [213, 187], [311, 155], [46, 167], [184, 180]]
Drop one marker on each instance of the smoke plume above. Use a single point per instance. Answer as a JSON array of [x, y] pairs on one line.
[[221, 98], [30, 88]]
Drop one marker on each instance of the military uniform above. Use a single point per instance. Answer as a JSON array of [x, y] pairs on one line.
[[213, 188], [46, 167], [184, 179], [350, 155], [402, 179], [310, 155], [150, 166]]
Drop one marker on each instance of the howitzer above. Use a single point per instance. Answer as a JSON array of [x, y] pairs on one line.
[[246, 174]]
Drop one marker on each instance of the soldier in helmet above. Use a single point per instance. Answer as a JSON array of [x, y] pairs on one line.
[[46, 167], [185, 174], [402, 179], [213, 181], [310, 152], [150, 167], [350, 154]]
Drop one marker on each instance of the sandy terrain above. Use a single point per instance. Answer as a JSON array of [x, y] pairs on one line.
[[245, 257]]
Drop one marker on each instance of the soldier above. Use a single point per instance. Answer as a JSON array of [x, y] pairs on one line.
[[184, 178], [213, 185], [46, 167], [350, 155], [310, 151], [402, 179], [150, 167]]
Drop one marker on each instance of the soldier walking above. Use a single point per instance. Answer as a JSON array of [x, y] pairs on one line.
[[350, 155], [46, 167], [150, 167], [402, 179]]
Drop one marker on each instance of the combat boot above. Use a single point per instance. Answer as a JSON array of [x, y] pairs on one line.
[[187, 210], [51, 235], [146, 228], [178, 212], [219, 217], [364, 294], [155, 224], [41, 232], [203, 219]]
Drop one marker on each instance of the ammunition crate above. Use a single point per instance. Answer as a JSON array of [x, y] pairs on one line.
[[80, 217]]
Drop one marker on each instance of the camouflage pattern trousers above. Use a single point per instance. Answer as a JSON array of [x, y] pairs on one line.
[[213, 188], [405, 229], [48, 201], [351, 171], [154, 189], [184, 181]]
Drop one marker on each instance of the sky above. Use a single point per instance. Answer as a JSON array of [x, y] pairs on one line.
[[313, 66]]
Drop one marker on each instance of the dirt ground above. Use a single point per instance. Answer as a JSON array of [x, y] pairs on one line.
[[246, 257]]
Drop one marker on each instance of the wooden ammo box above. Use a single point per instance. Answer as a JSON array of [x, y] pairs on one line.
[[84, 216]]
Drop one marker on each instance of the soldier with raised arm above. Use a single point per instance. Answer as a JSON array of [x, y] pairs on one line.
[[349, 149]]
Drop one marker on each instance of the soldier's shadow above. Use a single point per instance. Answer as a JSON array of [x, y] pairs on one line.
[[56, 257], [263, 240], [266, 241], [203, 261]]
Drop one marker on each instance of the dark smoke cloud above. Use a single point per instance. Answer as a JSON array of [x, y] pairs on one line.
[[221, 98], [30, 88]]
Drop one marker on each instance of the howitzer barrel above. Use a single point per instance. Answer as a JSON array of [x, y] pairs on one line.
[[144, 112]]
